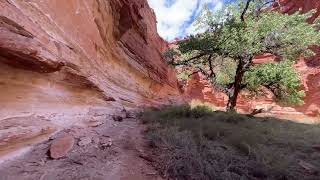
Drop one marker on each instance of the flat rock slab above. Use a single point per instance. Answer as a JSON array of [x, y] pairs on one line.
[[61, 146]]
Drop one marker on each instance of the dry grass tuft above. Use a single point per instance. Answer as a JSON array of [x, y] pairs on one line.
[[199, 143]]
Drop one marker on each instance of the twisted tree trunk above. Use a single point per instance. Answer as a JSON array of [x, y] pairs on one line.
[[243, 66]]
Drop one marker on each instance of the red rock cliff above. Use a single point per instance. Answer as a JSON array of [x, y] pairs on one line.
[[309, 69], [64, 62]]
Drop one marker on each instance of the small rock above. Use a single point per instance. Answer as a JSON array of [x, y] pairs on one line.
[[109, 98], [117, 118], [61, 146], [107, 144], [130, 115], [84, 141], [126, 114], [94, 123], [123, 110]]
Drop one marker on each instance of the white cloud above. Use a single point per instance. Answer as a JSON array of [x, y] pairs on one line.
[[176, 20], [193, 29]]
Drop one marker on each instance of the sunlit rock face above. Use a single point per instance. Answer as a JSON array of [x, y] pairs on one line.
[[63, 62], [197, 88], [308, 68], [292, 6]]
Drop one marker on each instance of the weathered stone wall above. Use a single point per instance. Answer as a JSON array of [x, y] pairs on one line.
[[64, 62]]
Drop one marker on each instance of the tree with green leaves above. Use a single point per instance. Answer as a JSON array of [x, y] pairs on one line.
[[237, 34]]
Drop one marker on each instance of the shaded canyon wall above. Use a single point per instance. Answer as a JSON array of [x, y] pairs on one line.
[[66, 62]]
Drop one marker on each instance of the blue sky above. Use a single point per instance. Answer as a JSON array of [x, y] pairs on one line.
[[176, 17]]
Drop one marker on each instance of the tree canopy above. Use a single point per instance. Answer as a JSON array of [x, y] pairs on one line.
[[238, 33]]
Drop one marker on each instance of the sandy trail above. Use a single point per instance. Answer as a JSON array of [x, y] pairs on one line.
[[120, 161]]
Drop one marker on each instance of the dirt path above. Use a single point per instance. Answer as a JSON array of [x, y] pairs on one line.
[[119, 161]]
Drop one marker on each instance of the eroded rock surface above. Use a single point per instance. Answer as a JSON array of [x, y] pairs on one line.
[[69, 61]]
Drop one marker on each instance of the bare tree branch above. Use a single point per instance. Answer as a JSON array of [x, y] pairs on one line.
[[211, 67], [245, 10], [195, 72]]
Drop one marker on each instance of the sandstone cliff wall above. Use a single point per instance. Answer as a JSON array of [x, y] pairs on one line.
[[65, 62]]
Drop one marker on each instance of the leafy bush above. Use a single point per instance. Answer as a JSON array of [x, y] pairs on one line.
[[280, 78]]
